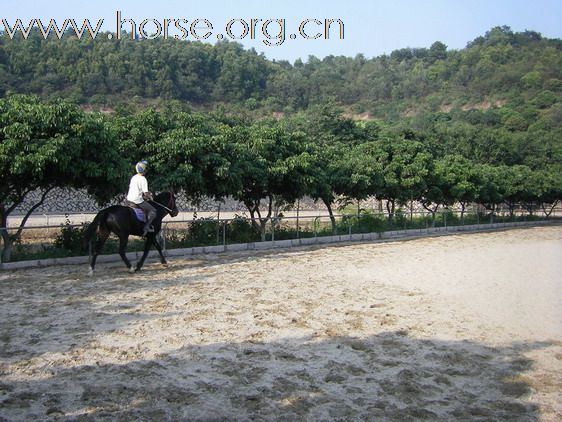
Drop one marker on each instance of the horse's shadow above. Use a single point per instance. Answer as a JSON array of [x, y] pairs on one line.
[[390, 376]]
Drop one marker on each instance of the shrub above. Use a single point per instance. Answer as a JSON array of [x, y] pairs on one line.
[[203, 231], [71, 238], [240, 230]]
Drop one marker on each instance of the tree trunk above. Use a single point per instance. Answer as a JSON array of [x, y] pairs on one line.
[[7, 244], [463, 207], [252, 210], [433, 211], [7, 250], [267, 217], [260, 223], [390, 206], [511, 208], [331, 213], [8, 240], [547, 213], [3, 233], [263, 227]]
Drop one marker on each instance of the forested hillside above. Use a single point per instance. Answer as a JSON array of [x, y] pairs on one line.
[[501, 78]]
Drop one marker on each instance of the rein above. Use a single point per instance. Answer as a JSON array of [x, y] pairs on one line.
[[164, 206]]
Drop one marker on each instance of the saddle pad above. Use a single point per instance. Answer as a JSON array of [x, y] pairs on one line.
[[141, 216]]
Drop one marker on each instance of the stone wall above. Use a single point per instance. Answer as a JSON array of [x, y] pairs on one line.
[[70, 201]]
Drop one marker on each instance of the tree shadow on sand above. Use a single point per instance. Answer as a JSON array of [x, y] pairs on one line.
[[391, 376]]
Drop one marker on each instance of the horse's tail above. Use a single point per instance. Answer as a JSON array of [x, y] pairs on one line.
[[93, 227]]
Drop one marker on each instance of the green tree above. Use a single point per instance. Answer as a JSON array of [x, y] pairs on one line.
[[406, 165], [521, 186], [453, 180], [361, 171], [491, 189], [52, 145], [273, 165], [195, 156], [550, 180], [331, 140]]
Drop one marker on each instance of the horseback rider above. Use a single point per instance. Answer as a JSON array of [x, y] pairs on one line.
[[140, 195]]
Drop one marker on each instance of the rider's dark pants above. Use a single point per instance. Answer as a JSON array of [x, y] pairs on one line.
[[150, 212]]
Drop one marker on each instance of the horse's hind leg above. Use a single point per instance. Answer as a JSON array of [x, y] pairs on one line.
[[122, 251], [102, 237]]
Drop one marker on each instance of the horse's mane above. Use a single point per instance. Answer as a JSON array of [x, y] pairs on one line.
[[162, 195]]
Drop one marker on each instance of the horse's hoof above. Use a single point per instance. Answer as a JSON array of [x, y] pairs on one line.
[[131, 270], [137, 270], [164, 264], [90, 272]]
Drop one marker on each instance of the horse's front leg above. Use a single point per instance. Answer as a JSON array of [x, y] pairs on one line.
[[149, 240], [159, 249]]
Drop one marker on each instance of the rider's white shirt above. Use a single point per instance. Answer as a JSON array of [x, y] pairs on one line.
[[137, 187]]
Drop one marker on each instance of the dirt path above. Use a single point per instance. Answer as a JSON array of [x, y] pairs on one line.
[[465, 327]]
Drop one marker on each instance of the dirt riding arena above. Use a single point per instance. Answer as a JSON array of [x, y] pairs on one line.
[[461, 327]]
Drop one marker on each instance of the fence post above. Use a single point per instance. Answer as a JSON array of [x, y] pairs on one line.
[[298, 214], [218, 230], [224, 233], [315, 226]]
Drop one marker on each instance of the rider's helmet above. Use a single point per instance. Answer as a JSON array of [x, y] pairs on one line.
[[141, 166]]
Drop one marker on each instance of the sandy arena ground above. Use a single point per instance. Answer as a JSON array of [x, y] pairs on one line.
[[462, 327]]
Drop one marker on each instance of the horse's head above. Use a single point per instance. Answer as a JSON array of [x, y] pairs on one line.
[[174, 207], [168, 200]]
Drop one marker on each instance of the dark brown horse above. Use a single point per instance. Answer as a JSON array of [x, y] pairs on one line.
[[122, 221]]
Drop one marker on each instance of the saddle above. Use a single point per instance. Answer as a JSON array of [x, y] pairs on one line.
[[139, 212]]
